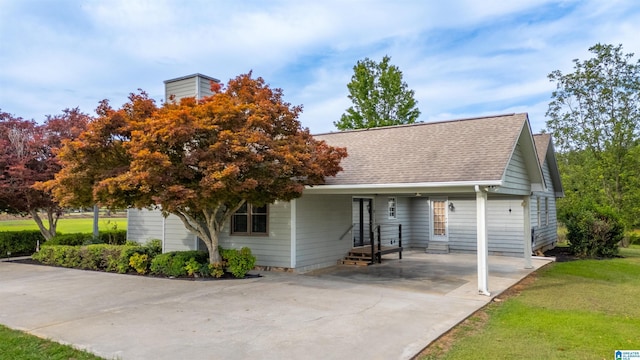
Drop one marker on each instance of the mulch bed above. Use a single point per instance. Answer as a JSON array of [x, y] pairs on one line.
[[561, 254]]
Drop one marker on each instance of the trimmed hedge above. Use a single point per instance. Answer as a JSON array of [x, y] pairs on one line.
[[19, 243], [112, 237], [146, 258]]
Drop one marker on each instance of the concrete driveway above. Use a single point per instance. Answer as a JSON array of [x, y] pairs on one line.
[[388, 311]]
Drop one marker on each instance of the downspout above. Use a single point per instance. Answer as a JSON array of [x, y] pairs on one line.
[[482, 248]]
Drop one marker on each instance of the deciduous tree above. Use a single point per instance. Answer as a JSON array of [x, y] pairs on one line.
[[379, 96], [28, 156], [594, 115], [200, 160]]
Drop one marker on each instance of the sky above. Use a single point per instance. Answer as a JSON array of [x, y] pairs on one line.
[[463, 58]]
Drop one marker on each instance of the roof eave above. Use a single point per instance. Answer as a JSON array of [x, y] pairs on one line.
[[408, 188]]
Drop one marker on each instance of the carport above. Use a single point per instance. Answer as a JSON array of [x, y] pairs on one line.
[[388, 311]]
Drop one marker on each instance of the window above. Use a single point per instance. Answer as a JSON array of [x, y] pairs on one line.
[[539, 211], [439, 218], [546, 211], [392, 208], [250, 220]]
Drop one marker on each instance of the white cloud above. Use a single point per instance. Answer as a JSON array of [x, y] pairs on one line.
[[462, 58]]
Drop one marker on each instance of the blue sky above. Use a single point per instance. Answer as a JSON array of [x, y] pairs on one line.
[[462, 58]]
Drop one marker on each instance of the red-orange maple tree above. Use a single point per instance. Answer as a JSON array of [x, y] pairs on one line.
[[27, 157], [199, 160]]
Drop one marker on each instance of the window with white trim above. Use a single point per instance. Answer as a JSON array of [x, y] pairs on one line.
[[250, 220], [539, 211], [546, 211], [391, 208]]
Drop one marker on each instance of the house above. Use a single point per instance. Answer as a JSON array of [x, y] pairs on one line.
[[483, 185]]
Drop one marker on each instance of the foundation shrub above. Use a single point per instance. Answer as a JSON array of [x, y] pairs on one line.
[[140, 262], [19, 243], [90, 257], [238, 262], [174, 263]]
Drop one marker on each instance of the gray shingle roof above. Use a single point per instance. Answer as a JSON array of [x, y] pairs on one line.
[[542, 144], [460, 150]]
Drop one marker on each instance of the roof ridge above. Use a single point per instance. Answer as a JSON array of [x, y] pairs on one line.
[[421, 123]]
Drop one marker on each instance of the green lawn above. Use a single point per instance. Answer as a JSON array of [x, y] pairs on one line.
[[583, 309], [17, 345], [67, 225]]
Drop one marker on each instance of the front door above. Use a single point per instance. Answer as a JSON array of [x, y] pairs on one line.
[[439, 220], [362, 221]]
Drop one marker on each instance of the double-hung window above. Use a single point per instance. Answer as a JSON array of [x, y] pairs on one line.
[[250, 220], [391, 208]]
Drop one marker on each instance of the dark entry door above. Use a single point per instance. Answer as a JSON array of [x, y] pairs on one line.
[[362, 221]]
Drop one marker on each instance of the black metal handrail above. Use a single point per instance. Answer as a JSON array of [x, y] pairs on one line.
[[391, 236]]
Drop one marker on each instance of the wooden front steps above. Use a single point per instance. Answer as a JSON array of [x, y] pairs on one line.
[[361, 256], [356, 258]]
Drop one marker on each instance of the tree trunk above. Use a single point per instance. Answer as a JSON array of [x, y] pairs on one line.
[[212, 246], [52, 219]]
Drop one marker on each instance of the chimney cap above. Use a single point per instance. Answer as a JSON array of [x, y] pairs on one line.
[[191, 76]]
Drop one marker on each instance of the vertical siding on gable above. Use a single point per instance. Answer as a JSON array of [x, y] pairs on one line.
[[516, 180], [176, 236], [272, 250], [144, 225], [419, 225], [545, 235], [321, 222]]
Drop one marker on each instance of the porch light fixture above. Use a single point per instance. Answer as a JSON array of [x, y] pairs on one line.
[[451, 207], [418, 194]]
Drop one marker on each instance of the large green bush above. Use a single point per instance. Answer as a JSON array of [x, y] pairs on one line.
[[594, 233], [19, 243]]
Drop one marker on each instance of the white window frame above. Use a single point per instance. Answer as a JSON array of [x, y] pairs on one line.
[[392, 208], [546, 211], [539, 211]]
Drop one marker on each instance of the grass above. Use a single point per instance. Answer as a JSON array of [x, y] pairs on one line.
[[66, 225], [18, 345], [582, 309]]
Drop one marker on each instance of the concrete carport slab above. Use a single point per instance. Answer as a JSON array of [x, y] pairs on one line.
[[388, 311]]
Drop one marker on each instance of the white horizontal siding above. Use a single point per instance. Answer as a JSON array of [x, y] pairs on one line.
[[390, 227], [176, 236], [505, 228], [205, 87], [272, 250], [419, 225], [546, 235], [180, 89], [144, 225], [321, 222], [462, 224]]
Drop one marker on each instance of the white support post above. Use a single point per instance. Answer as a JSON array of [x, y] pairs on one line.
[[482, 248], [526, 206]]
